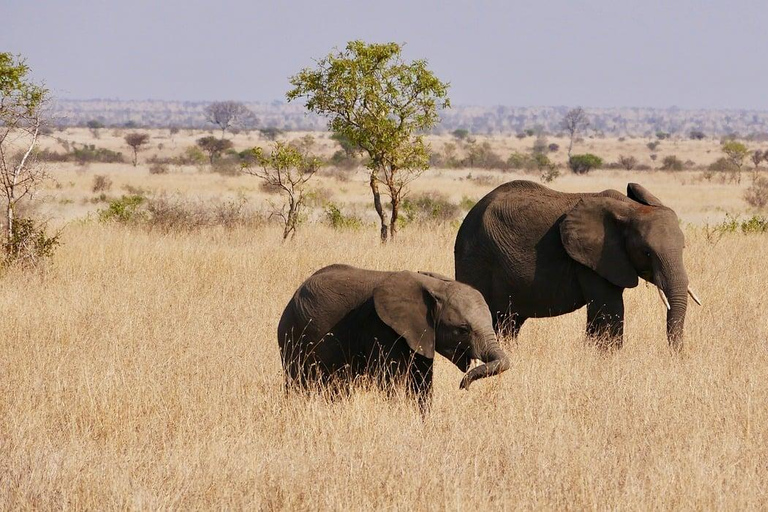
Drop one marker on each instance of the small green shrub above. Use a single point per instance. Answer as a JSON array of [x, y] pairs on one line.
[[125, 210], [733, 224], [29, 244], [582, 164], [338, 220], [428, 208]]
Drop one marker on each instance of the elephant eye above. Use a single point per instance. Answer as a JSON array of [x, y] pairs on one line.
[[461, 329], [647, 254]]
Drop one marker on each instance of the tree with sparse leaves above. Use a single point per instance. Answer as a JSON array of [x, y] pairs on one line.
[[213, 146], [136, 140], [287, 169], [228, 113], [382, 105], [22, 117], [574, 121], [735, 152]]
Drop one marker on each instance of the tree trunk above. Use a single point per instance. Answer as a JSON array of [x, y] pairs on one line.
[[9, 223], [570, 146], [135, 157], [395, 213], [377, 205]]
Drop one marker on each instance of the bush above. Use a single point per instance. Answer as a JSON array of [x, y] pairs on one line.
[[46, 155], [158, 169], [482, 156], [338, 220], [672, 163], [554, 148], [652, 145], [757, 193], [101, 183], [29, 244], [697, 135], [757, 224], [520, 161], [627, 162], [124, 210], [90, 153], [429, 208], [582, 164]]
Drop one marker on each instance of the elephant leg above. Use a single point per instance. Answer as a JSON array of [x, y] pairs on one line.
[[605, 310]]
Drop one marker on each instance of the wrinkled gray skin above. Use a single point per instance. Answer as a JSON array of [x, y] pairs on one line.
[[344, 322], [535, 252]]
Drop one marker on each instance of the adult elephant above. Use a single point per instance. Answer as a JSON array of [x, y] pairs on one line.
[[344, 322], [535, 252]]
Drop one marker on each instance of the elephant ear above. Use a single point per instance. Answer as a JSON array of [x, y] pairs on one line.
[[640, 194], [405, 303], [591, 234]]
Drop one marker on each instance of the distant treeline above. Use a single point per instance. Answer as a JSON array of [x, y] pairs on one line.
[[475, 119]]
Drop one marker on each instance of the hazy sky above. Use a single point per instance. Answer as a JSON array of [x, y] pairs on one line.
[[595, 53]]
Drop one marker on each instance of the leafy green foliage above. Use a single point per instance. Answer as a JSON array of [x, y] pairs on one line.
[[380, 104], [338, 220], [21, 97], [124, 210], [29, 243], [286, 169], [757, 224], [582, 164], [429, 208]]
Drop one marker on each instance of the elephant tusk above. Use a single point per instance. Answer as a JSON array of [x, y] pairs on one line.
[[664, 298], [693, 296]]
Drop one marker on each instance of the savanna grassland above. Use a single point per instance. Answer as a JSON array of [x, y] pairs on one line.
[[140, 368]]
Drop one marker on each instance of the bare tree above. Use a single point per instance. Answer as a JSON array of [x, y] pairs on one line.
[[227, 113], [22, 108], [757, 157], [135, 140], [573, 122], [286, 168]]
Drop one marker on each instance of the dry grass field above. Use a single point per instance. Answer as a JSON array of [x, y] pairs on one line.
[[140, 370]]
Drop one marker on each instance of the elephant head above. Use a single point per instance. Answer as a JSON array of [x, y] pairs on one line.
[[622, 240], [435, 314]]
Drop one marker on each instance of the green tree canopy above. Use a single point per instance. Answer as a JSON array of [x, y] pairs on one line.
[[381, 104]]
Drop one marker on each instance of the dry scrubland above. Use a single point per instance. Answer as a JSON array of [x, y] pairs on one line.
[[140, 370]]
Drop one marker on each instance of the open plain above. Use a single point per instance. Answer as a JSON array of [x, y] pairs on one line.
[[140, 368]]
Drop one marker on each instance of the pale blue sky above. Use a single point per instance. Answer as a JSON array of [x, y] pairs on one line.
[[596, 53]]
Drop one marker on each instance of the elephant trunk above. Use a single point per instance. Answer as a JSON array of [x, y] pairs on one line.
[[675, 288], [494, 358]]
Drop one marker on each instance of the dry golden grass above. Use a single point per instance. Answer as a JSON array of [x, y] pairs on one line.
[[141, 371]]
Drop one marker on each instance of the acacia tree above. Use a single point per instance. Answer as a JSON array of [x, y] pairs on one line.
[[227, 113], [574, 121], [381, 104], [288, 169], [22, 108], [736, 152], [213, 146], [136, 140]]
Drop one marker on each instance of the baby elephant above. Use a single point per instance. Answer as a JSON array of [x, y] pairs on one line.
[[344, 322]]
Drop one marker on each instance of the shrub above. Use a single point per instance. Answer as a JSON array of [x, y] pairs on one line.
[[426, 208], [338, 220], [519, 161], [554, 148], [696, 135], [90, 153], [582, 164], [124, 210], [757, 224], [29, 243], [482, 156], [158, 169], [101, 183], [672, 163], [662, 135], [653, 145], [757, 193], [627, 162]]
